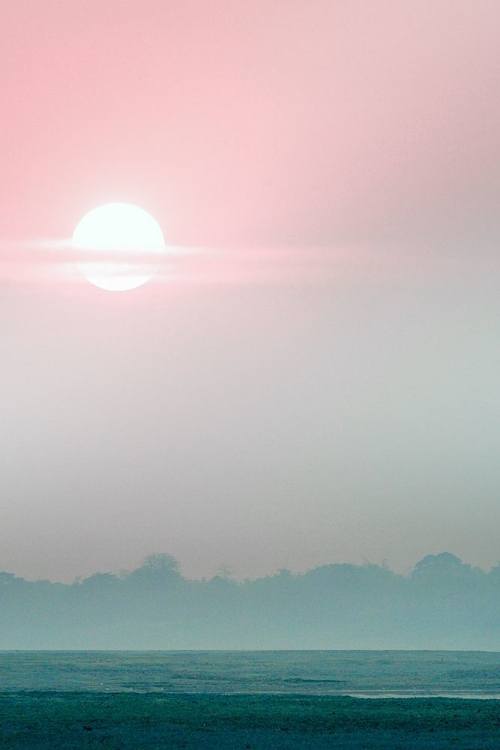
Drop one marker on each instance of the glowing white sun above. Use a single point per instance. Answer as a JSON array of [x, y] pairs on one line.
[[117, 244]]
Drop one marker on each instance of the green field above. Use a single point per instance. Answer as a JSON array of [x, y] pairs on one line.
[[120, 721]]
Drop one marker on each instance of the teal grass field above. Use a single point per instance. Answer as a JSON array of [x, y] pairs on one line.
[[120, 721]]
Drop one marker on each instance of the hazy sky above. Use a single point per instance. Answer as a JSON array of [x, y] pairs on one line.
[[315, 378]]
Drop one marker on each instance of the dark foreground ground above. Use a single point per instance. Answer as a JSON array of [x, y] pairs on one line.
[[119, 721]]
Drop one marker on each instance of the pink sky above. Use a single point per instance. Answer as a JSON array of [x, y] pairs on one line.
[[251, 122], [321, 385]]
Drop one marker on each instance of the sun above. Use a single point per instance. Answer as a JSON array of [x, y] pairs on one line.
[[119, 246]]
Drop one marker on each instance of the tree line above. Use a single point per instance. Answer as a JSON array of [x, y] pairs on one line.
[[443, 603]]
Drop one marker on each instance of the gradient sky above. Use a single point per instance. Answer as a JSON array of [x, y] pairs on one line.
[[314, 375]]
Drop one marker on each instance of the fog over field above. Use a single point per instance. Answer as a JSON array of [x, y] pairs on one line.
[[443, 604]]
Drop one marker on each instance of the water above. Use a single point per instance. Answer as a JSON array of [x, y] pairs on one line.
[[466, 674]]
